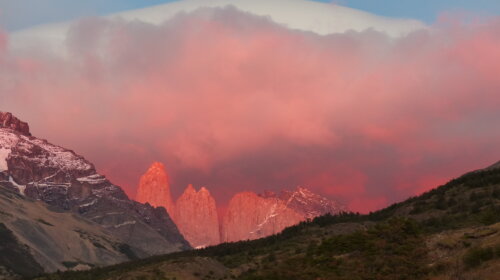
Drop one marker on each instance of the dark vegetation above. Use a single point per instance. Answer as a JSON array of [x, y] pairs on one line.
[[477, 255], [387, 244], [389, 250]]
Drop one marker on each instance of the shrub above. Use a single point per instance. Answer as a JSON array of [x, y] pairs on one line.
[[477, 255]]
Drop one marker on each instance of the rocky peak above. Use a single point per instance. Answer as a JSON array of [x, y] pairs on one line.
[[310, 204], [196, 217], [154, 188], [157, 169], [7, 120], [66, 181], [252, 216], [204, 190], [189, 190], [248, 215]]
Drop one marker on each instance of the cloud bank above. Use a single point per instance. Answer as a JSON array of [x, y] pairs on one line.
[[236, 102]]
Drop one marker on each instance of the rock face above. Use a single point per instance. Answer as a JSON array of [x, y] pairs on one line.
[[52, 240], [196, 217], [154, 188], [67, 182], [250, 216], [7, 120], [309, 204]]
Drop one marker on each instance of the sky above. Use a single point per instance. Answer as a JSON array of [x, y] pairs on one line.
[[19, 14], [234, 101]]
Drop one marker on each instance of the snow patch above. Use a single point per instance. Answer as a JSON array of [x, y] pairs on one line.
[[272, 214], [21, 188], [4, 154], [54, 156], [60, 157], [88, 204], [92, 179], [124, 224]]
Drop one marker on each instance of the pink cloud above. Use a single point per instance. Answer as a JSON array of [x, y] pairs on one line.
[[235, 102], [3, 42]]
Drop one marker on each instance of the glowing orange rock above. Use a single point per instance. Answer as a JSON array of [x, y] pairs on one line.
[[196, 217], [154, 188], [250, 216]]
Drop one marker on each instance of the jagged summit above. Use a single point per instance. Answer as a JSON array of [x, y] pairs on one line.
[[251, 216], [157, 167], [196, 217], [306, 202], [248, 216], [190, 189], [7, 120], [310, 204], [154, 188], [41, 171]]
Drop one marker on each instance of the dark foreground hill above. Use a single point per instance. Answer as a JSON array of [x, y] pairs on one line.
[[451, 232]]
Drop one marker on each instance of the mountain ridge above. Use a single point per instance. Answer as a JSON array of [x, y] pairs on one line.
[[247, 216], [66, 182], [450, 232]]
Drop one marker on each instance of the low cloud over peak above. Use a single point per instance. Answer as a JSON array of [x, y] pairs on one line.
[[237, 102]]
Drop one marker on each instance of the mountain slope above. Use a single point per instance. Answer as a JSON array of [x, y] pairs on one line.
[[68, 183], [15, 258], [451, 232], [54, 240]]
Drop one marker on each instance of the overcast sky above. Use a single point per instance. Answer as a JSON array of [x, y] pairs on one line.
[[234, 101]]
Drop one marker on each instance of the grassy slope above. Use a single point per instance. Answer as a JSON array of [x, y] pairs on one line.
[[451, 232], [32, 236]]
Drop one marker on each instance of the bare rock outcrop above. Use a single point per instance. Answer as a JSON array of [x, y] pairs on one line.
[[250, 216], [7, 120], [154, 188], [196, 217]]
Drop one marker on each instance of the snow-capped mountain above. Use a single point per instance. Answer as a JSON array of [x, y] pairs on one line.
[[68, 182]]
